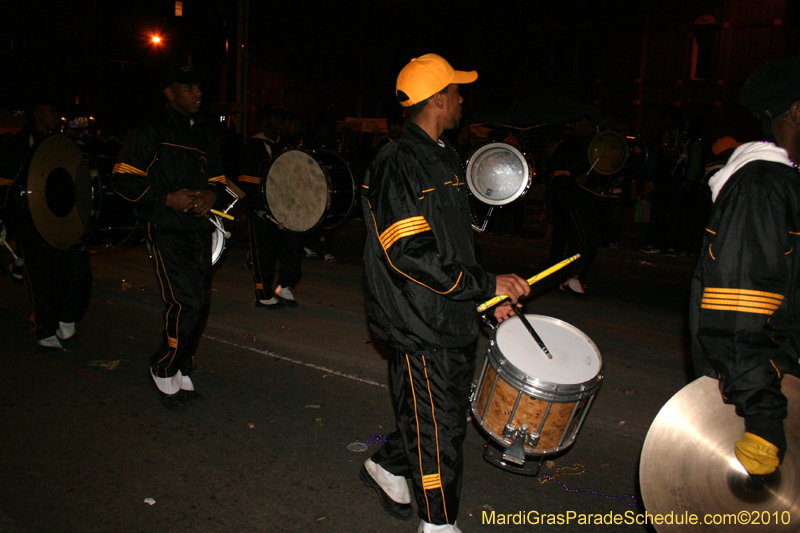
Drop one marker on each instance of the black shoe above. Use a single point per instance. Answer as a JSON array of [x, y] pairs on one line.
[[178, 401], [277, 305], [175, 402], [401, 511]]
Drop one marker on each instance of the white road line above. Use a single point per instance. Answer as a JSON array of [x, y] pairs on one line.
[[296, 361]]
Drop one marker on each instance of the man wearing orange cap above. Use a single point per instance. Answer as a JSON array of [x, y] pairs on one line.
[[422, 286]]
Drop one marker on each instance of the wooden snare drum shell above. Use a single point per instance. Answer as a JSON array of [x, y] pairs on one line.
[[530, 411]]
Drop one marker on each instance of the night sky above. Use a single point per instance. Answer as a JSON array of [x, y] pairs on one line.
[[338, 58]]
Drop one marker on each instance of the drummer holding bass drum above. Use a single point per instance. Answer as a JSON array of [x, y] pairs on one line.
[[269, 243], [59, 278]]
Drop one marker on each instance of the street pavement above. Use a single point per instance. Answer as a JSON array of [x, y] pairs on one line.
[[286, 394]]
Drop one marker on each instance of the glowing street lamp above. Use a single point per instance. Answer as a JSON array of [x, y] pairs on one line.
[[155, 39]]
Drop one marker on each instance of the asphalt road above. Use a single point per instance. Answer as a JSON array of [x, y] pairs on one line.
[[82, 447]]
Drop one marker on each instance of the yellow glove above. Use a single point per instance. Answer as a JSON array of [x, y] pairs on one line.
[[757, 456]]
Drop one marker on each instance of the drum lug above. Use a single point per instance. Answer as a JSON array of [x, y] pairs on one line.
[[519, 438]]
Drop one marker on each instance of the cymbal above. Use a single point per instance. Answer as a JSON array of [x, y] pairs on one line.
[[688, 466]]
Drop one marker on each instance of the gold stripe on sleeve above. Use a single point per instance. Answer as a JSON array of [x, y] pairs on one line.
[[124, 168], [741, 300], [403, 228]]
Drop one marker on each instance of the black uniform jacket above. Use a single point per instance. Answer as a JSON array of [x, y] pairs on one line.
[[166, 153], [745, 294], [422, 279]]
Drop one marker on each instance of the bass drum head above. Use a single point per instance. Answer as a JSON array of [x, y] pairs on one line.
[[576, 360], [498, 174], [62, 192], [608, 152], [296, 190]]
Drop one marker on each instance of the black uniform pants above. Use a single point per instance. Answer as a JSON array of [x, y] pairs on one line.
[[59, 282], [182, 263], [431, 396], [583, 236], [268, 245]]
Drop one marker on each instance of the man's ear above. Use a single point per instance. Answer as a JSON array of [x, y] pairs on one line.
[[438, 100], [794, 112], [169, 93]]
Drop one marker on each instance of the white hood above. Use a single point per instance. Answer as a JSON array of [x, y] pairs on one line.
[[747, 153]]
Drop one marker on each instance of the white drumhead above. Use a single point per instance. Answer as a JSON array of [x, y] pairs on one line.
[[498, 174], [575, 360], [297, 190]]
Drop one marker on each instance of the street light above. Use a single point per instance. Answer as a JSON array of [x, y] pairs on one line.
[[155, 39]]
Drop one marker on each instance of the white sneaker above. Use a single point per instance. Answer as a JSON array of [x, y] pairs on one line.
[[65, 330], [425, 527], [186, 383], [51, 342], [169, 385], [396, 487], [286, 295], [310, 252]]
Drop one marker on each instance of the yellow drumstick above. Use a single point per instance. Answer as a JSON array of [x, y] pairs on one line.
[[543, 274], [223, 215]]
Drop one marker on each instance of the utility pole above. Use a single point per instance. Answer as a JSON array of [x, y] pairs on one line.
[[243, 25]]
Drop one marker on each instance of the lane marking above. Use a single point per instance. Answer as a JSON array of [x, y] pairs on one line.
[[298, 362]]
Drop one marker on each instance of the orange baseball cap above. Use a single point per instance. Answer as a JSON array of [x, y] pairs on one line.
[[724, 143], [425, 76]]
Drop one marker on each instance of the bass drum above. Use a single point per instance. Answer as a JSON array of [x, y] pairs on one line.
[[62, 191], [306, 190], [611, 152]]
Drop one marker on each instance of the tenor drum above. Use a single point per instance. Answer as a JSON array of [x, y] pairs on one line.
[[305, 190], [62, 191], [520, 388], [611, 152], [498, 174]]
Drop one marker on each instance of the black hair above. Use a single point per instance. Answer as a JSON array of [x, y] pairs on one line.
[[414, 110]]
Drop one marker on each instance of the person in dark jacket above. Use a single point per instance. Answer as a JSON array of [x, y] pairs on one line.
[[744, 306], [170, 168], [269, 243], [422, 287], [59, 280]]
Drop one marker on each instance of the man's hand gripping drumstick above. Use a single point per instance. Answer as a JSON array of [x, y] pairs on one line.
[[507, 295]]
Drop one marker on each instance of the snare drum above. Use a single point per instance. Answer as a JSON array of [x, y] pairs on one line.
[[519, 386], [309, 190], [217, 240]]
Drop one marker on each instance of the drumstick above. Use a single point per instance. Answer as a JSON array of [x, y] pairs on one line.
[[533, 333], [11, 250], [223, 215], [543, 274], [593, 164]]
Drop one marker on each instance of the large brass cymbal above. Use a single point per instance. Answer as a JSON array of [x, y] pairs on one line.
[[688, 466]]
